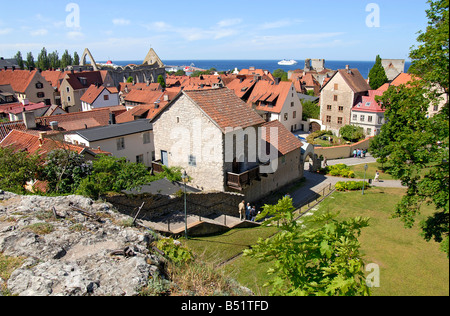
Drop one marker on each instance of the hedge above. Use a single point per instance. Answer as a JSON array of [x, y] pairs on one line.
[[351, 185]]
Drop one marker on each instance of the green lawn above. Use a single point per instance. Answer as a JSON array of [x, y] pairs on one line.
[[370, 174], [409, 266]]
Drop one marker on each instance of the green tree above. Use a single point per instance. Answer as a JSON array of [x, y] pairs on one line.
[[54, 60], [310, 110], [16, 168], [64, 170], [19, 60], [411, 141], [43, 62], [377, 75], [321, 259], [30, 61], [161, 81], [76, 59], [352, 133], [66, 59], [280, 73]]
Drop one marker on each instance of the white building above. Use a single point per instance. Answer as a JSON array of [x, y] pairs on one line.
[[368, 114], [132, 140], [98, 96]]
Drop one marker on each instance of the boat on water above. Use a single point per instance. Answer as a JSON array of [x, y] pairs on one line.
[[286, 62]]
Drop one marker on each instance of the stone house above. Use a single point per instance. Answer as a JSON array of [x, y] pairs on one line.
[[339, 95], [28, 85], [224, 145], [75, 84], [277, 101]]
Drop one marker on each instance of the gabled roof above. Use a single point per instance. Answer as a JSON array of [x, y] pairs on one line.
[[224, 108], [21, 140], [91, 77], [287, 142], [94, 92], [270, 92], [54, 77], [353, 78], [18, 79], [368, 103], [241, 86]]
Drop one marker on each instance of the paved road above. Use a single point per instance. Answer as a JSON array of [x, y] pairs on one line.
[[315, 183]]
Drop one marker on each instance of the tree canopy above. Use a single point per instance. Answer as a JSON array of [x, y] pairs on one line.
[[415, 145], [377, 75]]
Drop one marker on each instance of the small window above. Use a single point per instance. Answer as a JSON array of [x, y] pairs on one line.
[[106, 97], [336, 86], [146, 137], [292, 103], [362, 118], [369, 131], [192, 161], [286, 116], [68, 89], [178, 119], [294, 114], [380, 120], [355, 117], [328, 119], [335, 98], [369, 119], [340, 120], [40, 95], [140, 159], [329, 107], [39, 85], [121, 143], [341, 109]]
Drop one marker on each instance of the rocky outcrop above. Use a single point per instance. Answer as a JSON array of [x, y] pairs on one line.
[[73, 246]]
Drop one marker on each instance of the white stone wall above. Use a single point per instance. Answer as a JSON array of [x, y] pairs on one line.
[[183, 130]]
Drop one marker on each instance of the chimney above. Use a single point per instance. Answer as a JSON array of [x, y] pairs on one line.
[[41, 138], [54, 125], [29, 119], [13, 68], [166, 97]]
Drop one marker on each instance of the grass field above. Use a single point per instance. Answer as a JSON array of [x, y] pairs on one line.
[[409, 266]]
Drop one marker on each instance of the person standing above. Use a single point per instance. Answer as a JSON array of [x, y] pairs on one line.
[[242, 210], [253, 213], [247, 211], [377, 177]]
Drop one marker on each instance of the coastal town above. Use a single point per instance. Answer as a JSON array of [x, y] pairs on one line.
[[140, 169]]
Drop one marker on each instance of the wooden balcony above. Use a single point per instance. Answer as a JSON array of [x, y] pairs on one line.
[[239, 181], [157, 166]]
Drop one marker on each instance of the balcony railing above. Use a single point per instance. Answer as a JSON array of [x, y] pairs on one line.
[[157, 166], [239, 181]]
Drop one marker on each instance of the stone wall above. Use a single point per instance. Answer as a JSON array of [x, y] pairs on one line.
[[159, 206], [344, 151]]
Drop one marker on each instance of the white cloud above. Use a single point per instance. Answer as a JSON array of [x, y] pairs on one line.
[[5, 31], [121, 22], [279, 24], [75, 35], [229, 22], [39, 32]]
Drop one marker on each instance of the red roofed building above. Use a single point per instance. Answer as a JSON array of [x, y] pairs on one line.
[[224, 145], [369, 114], [98, 96], [29, 85]]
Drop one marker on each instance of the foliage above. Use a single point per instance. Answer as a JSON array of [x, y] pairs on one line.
[[30, 61], [310, 138], [66, 59], [76, 59], [161, 81], [411, 141], [377, 75], [130, 79], [43, 62], [352, 133], [339, 170], [174, 251], [310, 110], [19, 60], [430, 59], [64, 170], [321, 259], [111, 174], [351, 185], [16, 168], [280, 73]]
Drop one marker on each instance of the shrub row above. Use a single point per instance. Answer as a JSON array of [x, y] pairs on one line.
[[351, 185], [339, 170]]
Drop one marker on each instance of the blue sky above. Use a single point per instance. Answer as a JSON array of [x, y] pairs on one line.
[[205, 29]]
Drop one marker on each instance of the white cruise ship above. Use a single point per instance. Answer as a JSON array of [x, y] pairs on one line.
[[286, 62]]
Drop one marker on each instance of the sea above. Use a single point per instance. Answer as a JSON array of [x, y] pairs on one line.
[[270, 65]]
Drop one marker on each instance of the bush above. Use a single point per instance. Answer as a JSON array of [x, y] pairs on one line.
[[351, 185], [174, 251], [340, 170]]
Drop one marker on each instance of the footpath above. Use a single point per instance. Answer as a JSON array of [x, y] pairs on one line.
[[316, 183]]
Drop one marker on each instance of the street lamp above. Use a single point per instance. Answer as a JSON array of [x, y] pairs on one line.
[[185, 179], [364, 183]]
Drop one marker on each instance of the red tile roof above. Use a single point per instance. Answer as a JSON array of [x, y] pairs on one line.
[[403, 78], [368, 103], [93, 93], [18, 79], [287, 142], [224, 108], [267, 91], [92, 77]]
